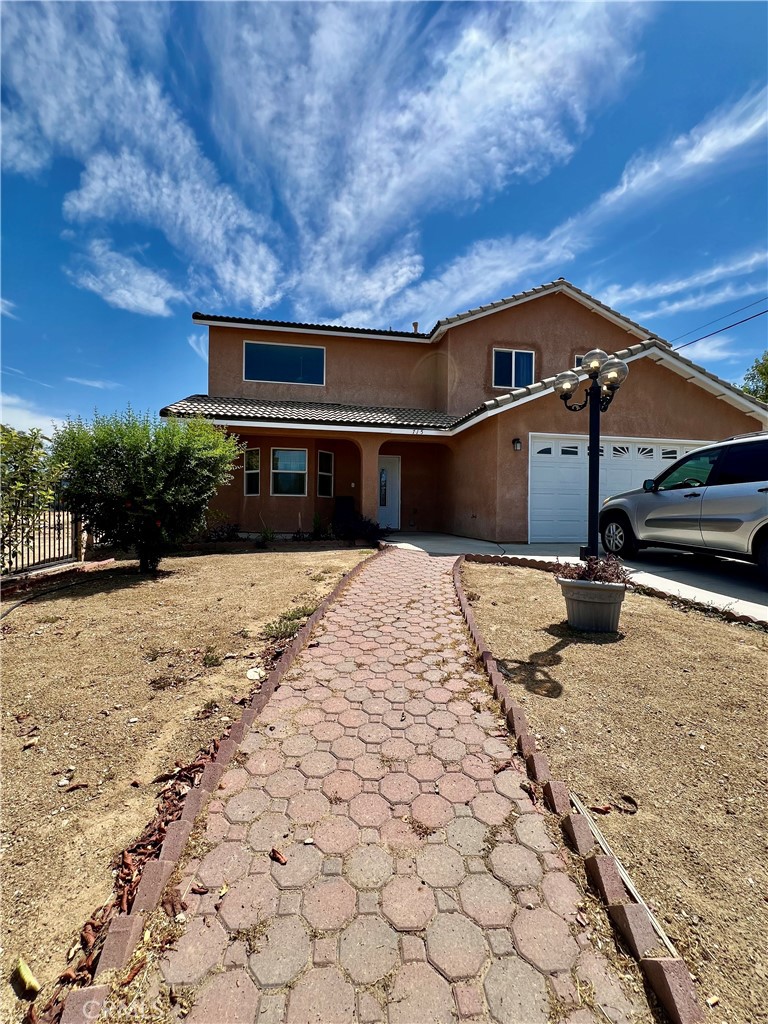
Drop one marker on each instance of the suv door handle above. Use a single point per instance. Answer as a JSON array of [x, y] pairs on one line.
[[693, 494], [762, 490]]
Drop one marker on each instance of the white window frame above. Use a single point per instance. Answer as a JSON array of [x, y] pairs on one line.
[[282, 448], [514, 351], [290, 383], [246, 471], [332, 474]]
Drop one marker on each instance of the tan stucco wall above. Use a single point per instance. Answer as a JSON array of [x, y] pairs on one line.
[[357, 370]]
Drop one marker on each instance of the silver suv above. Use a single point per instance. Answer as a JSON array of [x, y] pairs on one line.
[[714, 500]]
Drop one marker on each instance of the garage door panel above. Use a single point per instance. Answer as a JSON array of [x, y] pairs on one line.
[[558, 478]]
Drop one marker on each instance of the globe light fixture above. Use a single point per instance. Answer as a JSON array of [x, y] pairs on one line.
[[605, 374]]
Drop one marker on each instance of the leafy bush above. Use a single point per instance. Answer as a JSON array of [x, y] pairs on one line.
[[142, 483], [28, 478], [351, 526], [218, 527], [596, 570]]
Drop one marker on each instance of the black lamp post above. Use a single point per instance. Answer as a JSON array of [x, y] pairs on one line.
[[606, 374]]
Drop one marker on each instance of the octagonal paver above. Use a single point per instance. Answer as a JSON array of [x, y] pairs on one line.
[[530, 830], [225, 863], [368, 950], [284, 784], [229, 998], [562, 895], [328, 730], [407, 903], [440, 866], [456, 946], [298, 746], [336, 835], [477, 767], [370, 767], [347, 748], [432, 811], [283, 955], [448, 749], [491, 808], [515, 865], [544, 940], [322, 996], [457, 787], [265, 762], [270, 830], [341, 786], [398, 749], [509, 784], [467, 836], [399, 835], [368, 867], [369, 809], [516, 993], [308, 808], [486, 901], [301, 867], [248, 902], [416, 988], [200, 948], [399, 788], [329, 904], [318, 764], [246, 805], [425, 768]]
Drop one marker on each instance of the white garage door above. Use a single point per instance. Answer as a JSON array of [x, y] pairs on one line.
[[558, 478]]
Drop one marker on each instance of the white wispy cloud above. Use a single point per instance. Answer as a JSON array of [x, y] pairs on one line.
[[142, 162], [123, 282], [7, 307], [15, 372], [737, 266], [102, 385], [21, 414], [728, 293], [453, 108], [713, 350], [199, 345]]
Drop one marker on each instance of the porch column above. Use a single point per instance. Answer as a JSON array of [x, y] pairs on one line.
[[369, 475]]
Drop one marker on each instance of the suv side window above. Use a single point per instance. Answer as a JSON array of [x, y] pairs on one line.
[[692, 471], [743, 464]]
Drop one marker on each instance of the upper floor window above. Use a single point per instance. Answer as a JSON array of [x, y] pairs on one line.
[[512, 368], [283, 364]]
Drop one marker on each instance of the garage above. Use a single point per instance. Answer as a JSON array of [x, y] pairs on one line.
[[557, 474]]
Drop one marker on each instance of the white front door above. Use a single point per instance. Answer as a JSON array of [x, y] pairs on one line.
[[389, 492]]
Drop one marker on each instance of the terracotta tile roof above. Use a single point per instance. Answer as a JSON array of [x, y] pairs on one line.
[[327, 413]]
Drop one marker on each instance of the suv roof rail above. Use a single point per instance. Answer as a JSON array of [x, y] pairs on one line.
[[738, 437]]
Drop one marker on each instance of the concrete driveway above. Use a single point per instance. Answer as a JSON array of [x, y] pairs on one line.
[[723, 583]]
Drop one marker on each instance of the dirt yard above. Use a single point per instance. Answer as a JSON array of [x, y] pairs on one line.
[[672, 712], [107, 684]]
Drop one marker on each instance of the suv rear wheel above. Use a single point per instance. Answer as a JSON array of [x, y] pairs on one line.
[[617, 536]]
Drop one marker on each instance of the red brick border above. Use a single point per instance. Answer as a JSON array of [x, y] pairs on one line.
[[126, 929], [667, 976]]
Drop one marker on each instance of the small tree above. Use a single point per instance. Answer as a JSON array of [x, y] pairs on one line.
[[27, 481], [142, 483], [756, 378]]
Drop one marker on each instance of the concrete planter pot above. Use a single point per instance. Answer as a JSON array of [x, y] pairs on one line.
[[592, 607]]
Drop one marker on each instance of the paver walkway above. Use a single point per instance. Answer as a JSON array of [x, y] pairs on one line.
[[431, 891]]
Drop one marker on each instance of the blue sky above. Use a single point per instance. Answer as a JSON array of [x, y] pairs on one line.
[[367, 164]]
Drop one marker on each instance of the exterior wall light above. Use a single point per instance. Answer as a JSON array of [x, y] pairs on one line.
[[517, 444], [606, 375]]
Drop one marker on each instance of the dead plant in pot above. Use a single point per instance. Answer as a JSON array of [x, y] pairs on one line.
[[593, 591]]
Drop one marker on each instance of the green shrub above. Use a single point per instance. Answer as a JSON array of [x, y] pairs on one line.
[[27, 481]]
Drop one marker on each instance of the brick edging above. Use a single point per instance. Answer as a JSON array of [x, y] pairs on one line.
[[125, 930], [638, 588], [667, 976]]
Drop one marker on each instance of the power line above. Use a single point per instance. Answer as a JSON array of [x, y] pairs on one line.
[[720, 331], [718, 318]]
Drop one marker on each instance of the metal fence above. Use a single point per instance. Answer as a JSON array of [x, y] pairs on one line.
[[54, 540]]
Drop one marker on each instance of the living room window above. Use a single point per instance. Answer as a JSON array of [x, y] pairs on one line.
[[289, 471], [283, 364], [252, 471], [325, 474], [512, 368]]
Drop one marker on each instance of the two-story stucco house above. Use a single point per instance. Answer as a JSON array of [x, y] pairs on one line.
[[455, 431]]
